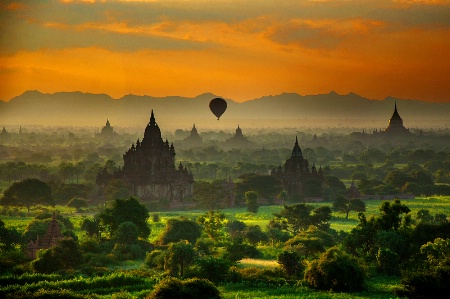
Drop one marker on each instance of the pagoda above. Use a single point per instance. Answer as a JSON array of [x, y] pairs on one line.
[[296, 172], [49, 240], [149, 169]]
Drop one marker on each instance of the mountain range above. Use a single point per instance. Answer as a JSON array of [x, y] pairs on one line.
[[85, 109]]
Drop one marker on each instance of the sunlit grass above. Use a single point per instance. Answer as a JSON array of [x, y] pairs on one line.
[[263, 264]]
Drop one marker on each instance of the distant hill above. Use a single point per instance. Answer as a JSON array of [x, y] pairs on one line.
[[332, 109]]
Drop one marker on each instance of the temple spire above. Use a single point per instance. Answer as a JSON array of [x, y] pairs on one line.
[[152, 118]]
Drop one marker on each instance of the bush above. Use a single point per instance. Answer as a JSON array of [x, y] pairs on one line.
[[180, 229], [292, 263], [387, 261], [155, 259], [211, 268], [236, 251], [335, 270], [189, 289], [421, 284]]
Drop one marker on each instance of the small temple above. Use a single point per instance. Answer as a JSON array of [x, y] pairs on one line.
[[238, 139], [107, 131], [194, 138], [50, 239]]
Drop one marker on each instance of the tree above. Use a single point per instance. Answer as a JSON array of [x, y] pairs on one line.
[[391, 215], [187, 289], [310, 242], [429, 278], [212, 268], [251, 199], [64, 255], [77, 203], [265, 185], [127, 233], [123, 210], [345, 205], [292, 263], [91, 227], [254, 234], [398, 178], [299, 217], [179, 255], [9, 238], [116, 189], [180, 229], [28, 193], [337, 271], [209, 194], [212, 223], [235, 228], [63, 193]]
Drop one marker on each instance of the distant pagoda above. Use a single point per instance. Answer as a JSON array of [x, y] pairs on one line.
[[107, 131], [194, 138], [395, 125], [238, 139]]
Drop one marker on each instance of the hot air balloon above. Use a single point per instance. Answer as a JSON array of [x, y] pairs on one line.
[[218, 107]]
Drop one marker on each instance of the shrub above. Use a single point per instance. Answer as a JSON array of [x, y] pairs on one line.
[[180, 229], [425, 284], [78, 203], [204, 246], [189, 289], [155, 259], [387, 261], [335, 270], [430, 276], [292, 263], [236, 251], [251, 200], [211, 268]]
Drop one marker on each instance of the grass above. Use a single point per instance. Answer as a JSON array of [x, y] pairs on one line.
[[262, 264], [376, 288], [435, 204]]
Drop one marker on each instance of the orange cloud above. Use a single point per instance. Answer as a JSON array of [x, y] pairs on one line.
[[15, 6]]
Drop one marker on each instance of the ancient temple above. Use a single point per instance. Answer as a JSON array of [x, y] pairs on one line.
[[149, 169], [395, 125], [194, 139], [353, 192], [107, 131], [238, 139], [50, 239], [296, 172]]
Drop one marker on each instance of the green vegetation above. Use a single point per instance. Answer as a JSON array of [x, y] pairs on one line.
[[266, 246]]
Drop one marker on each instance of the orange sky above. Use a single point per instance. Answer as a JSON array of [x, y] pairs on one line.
[[239, 50]]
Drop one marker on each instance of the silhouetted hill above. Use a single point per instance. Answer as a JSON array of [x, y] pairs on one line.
[[85, 109]]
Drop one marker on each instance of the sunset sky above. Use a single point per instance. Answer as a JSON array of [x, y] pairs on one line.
[[239, 50]]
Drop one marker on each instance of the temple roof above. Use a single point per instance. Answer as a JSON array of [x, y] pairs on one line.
[[395, 116], [152, 132], [296, 151]]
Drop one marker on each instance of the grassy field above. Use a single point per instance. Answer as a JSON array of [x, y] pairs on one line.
[[436, 204], [377, 287]]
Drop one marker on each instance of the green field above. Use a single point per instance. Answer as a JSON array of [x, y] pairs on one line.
[[143, 278]]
